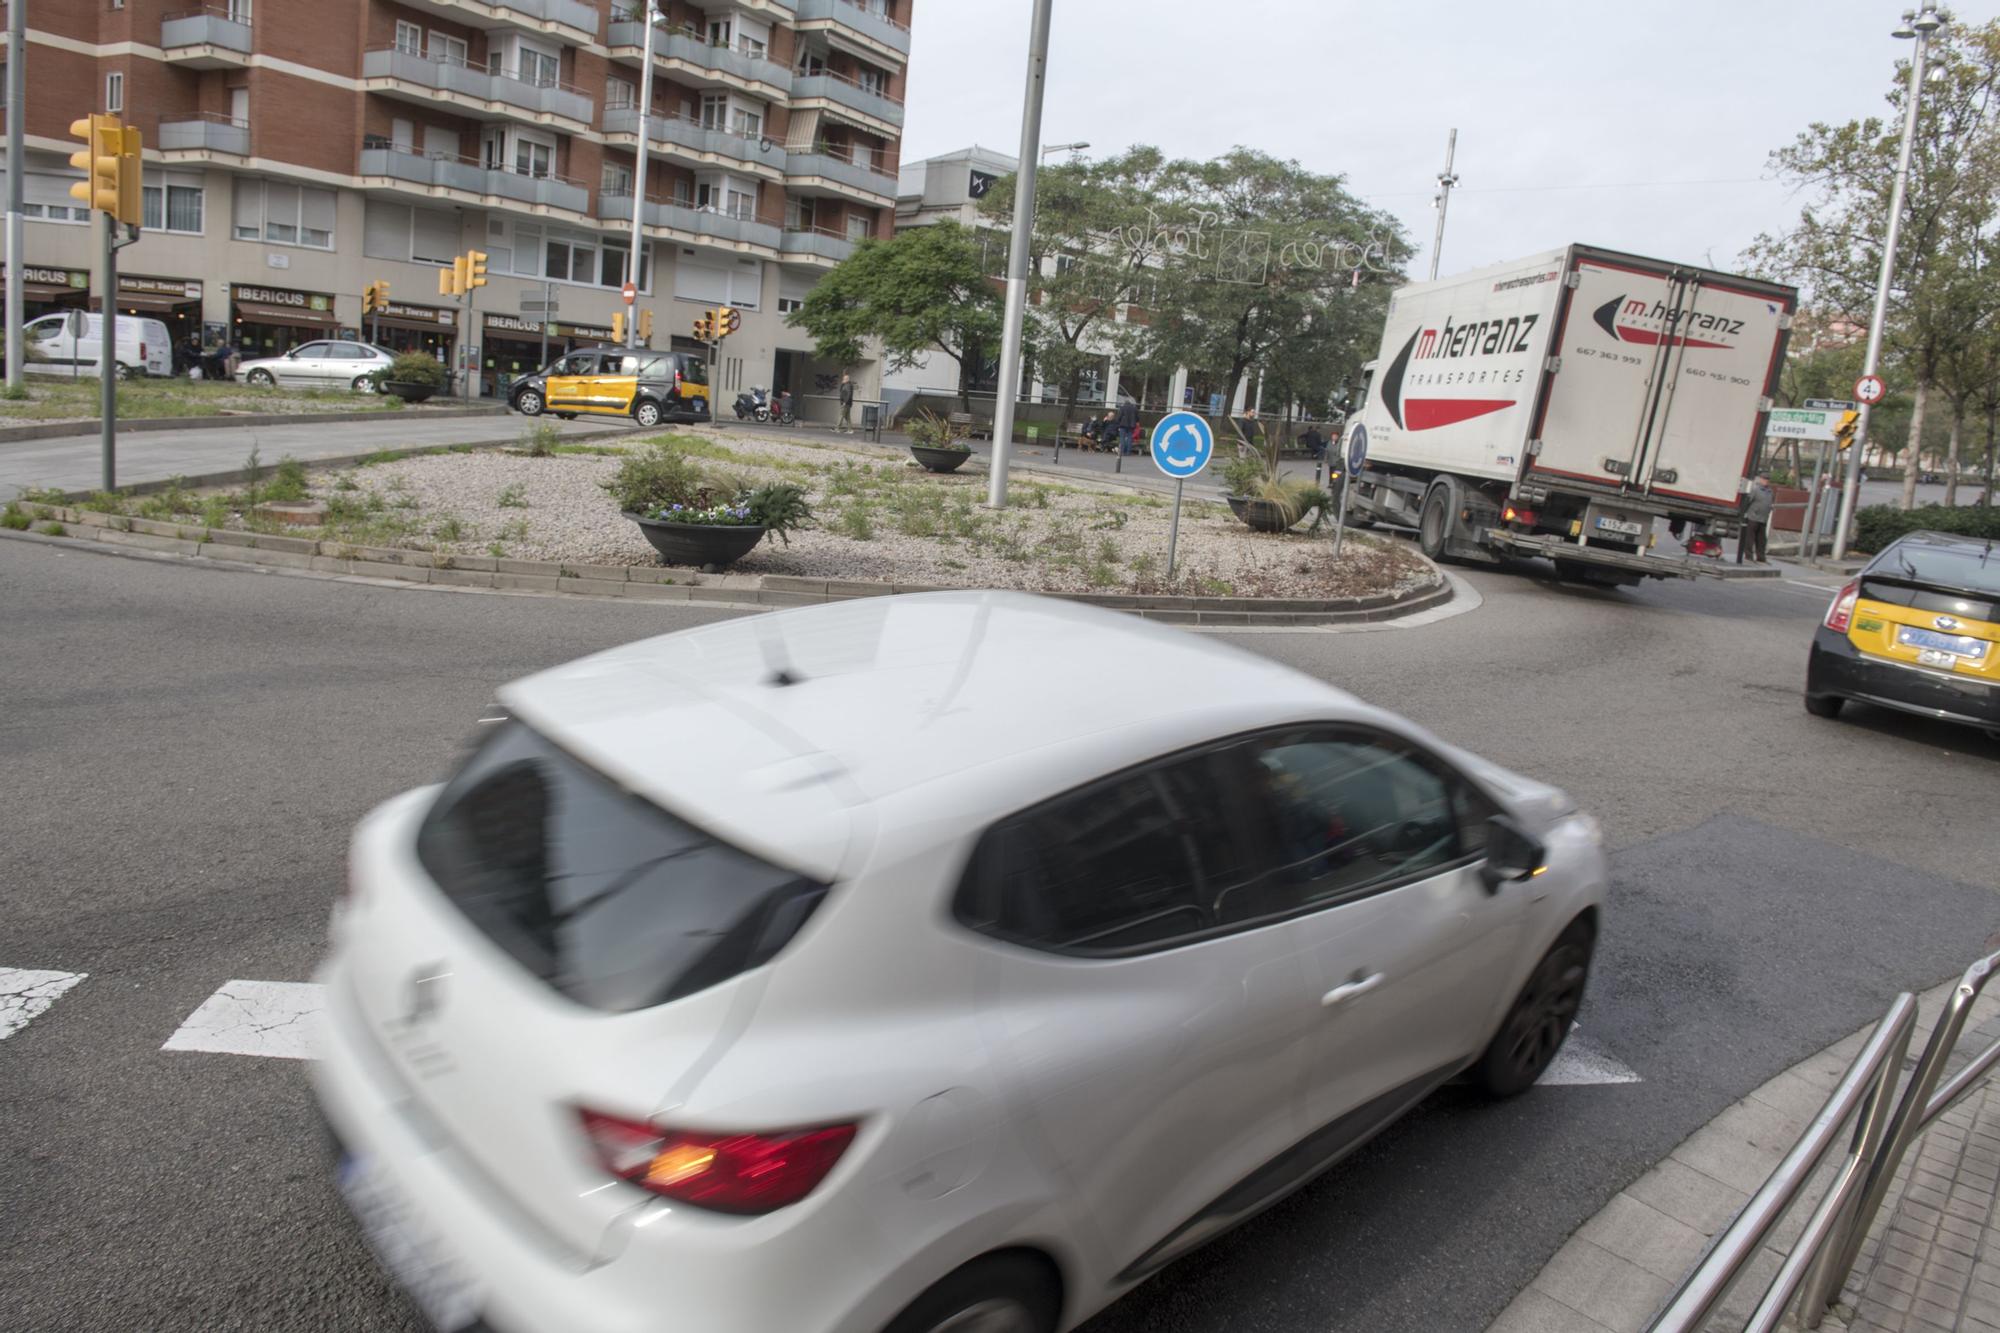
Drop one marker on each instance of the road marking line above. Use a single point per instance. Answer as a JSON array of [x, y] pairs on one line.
[[270, 1018], [26, 994], [1582, 1062], [1813, 590]]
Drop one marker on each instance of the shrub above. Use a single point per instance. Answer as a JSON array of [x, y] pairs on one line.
[[781, 507], [540, 440], [513, 497], [1878, 525], [658, 478], [14, 518], [928, 430], [414, 368], [288, 482]]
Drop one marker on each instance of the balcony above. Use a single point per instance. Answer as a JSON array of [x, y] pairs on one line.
[[426, 78], [702, 142], [205, 133], [543, 16], [881, 34], [742, 231], [815, 243], [690, 52], [470, 176], [206, 39], [837, 169], [568, 13], [878, 111], [782, 11]]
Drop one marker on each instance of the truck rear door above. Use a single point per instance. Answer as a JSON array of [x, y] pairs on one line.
[[1661, 380]]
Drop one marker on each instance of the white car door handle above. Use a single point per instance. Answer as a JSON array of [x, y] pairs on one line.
[[1343, 993]]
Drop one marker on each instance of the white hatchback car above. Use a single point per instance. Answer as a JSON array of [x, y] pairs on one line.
[[828, 972]]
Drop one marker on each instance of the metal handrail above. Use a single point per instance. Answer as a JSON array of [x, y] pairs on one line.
[[827, 72], [206, 117], [209, 11]]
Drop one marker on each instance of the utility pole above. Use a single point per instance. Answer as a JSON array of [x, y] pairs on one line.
[[651, 18], [1920, 26], [1017, 257], [1443, 201], [17, 110]]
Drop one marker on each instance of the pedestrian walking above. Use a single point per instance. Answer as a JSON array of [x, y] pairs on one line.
[[846, 424], [1128, 424], [1757, 507]]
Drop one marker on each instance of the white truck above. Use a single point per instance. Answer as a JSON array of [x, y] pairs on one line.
[[1561, 405]]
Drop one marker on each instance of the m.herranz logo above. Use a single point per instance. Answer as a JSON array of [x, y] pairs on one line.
[[1631, 320], [1415, 367]]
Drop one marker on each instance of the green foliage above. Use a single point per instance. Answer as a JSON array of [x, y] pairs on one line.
[[657, 478], [1245, 474], [514, 530], [55, 530], [14, 518], [103, 502], [450, 529], [215, 512], [44, 495], [925, 288], [1878, 525], [540, 439], [414, 368], [928, 430], [288, 482], [856, 522], [781, 507], [14, 393], [514, 496]]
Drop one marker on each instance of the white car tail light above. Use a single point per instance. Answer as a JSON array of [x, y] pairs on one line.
[[726, 1173]]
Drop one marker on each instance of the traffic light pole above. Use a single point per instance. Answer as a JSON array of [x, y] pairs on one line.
[[1009, 388], [17, 111], [107, 356]]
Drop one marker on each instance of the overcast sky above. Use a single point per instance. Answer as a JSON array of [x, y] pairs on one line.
[[1639, 126]]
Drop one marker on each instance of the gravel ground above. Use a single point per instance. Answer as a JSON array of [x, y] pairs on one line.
[[879, 517]]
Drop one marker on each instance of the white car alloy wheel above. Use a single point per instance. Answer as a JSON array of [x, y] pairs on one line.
[[647, 414], [263, 378], [363, 384]]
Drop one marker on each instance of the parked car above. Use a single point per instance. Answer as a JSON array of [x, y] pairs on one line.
[[822, 972], [71, 343], [328, 364], [647, 386], [1917, 630]]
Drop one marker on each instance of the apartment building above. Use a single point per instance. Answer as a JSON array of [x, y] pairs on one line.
[[297, 150]]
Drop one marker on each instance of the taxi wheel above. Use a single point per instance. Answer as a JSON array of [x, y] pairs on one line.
[[528, 403], [1824, 705], [647, 414]]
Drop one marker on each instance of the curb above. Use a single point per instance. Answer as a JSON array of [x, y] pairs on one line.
[[58, 430], [659, 583]]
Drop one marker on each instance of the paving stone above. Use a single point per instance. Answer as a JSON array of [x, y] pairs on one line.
[[1688, 1196], [1634, 1230], [1537, 1312], [464, 578], [527, 582], [1616, 1293]]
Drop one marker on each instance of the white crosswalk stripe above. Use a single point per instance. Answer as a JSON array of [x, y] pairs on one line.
[[1582, 1061], [279, 1019], [26, 994]]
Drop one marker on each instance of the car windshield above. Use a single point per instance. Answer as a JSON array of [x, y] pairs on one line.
[[1975, 568]]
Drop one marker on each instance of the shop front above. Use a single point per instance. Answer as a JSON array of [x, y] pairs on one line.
[[402, 327], [514, 347], [270, 321], [176, 302], [45, 290]]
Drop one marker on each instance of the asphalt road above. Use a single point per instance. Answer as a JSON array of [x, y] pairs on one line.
[[185, 748]]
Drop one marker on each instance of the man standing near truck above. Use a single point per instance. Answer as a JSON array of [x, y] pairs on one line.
[[1756, 519]]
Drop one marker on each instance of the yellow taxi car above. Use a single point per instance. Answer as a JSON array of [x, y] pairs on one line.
[[1918, 630], [647, 386]]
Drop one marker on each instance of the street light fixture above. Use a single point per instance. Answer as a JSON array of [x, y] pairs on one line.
[[1918, 25], [1077, 147], [649, 15]]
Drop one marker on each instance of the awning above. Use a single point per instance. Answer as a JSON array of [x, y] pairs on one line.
[[48, 291], [418, 325], [803, 130], [256, 312], [154, 301]]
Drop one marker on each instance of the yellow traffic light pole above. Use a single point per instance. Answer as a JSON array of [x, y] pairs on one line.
[[111, 185]]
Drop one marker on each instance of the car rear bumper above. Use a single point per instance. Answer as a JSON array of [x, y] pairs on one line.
[[1837, 668]]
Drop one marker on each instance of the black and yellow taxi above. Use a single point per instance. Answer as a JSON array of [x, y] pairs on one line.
[[1917, 630], [647, 386]]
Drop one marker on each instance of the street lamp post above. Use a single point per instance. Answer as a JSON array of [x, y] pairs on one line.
[[1445, 181], [17, 104], [1920, 25], [651, 18], [1009, 386]]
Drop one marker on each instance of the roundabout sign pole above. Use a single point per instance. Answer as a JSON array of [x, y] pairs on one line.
[[1182, 446], [1357, 454]]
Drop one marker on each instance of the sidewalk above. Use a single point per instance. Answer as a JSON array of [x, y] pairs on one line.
[[1931, 1263]]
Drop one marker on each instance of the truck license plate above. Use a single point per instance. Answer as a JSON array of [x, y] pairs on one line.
[[1620, 525]]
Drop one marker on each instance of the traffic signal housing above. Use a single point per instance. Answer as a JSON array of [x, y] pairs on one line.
[[725, 320], [461, 275], [646, 327], [445, 287], [618, 326], [375, 297], [1843, 434], [704, 328], [475, 268], [112, 175]]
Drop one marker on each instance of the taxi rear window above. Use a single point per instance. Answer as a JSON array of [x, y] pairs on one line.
[[694, 370], [1964, 580]]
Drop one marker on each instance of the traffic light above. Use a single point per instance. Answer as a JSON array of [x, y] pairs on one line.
[[646, 327], [110, 165], [445, 287], [704, 329], [1843, 434], [475, 263], [618, 326], [725, 320], [374, 297], [461, 274]]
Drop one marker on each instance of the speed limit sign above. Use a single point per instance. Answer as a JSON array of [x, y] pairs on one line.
[[1869, 389]]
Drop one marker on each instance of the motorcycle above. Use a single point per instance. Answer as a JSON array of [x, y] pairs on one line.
[[748, 407], [755, 404]]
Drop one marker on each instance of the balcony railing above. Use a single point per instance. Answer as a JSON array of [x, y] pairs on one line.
[[569, 13], [824, 161], [473, 177], [467, 80], [205, 27], [208, 131], [817, 242], [860, 18], [695, 137], [692, 47], [848, 93], [699, 221]]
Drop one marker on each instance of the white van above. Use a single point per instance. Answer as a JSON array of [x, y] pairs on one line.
[[71, 342]]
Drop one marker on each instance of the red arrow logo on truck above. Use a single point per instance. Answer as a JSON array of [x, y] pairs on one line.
[[1429, 413], [1607, 314]]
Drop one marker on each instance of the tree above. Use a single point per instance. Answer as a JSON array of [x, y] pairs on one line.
[[1264, 266], [1835, 251], [925, 289], [1091, 254]]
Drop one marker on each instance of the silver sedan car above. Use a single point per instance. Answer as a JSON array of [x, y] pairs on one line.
[[329, 364]]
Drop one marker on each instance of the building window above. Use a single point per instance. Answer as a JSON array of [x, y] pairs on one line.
[[741, 205], [409, 38], [114, 93], [619, 93], [534, 159], [787, 304], [239, 12], [449, 50], [284, 214], [718, 32], [714, 111], [871, 80], [617, 180], [859, 225], [749, 124], [170, 207], [538, 68]]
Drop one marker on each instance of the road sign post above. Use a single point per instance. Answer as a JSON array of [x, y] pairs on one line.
[[1182, 446], [1357, 454]]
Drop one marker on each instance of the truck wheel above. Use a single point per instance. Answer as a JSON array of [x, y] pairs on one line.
[[1434, 523]]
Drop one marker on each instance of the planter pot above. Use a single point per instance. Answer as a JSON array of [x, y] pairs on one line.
[[940, 460], [408, 392], [1261, 515], [705, 546]]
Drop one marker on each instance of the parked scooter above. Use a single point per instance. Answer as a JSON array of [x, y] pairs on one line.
[[755, 404]]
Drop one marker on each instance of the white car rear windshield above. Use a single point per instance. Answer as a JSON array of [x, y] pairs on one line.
[[613, 901]]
